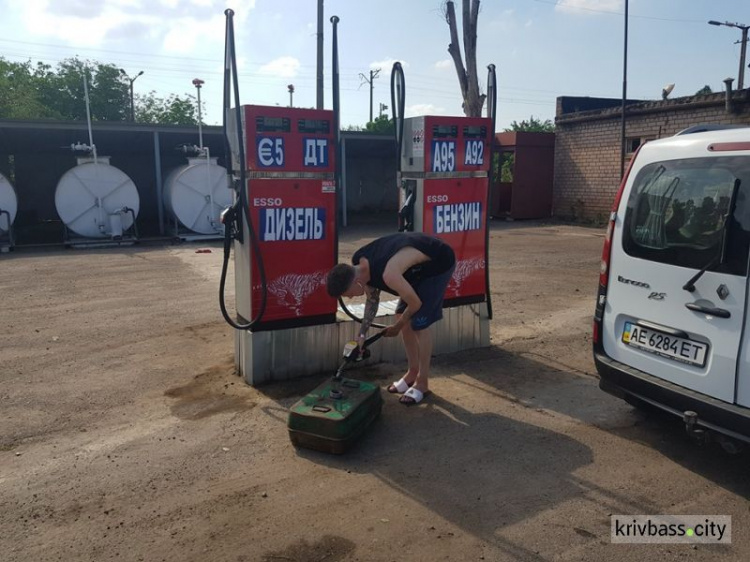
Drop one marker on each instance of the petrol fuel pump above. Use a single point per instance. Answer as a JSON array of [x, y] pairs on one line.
[[283, 232], [291, 197], [444, 177]]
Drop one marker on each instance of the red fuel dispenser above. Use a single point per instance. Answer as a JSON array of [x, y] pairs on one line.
[[445, 186], [291, 195]]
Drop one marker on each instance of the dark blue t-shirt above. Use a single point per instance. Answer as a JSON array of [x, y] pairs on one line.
[[380, 251]]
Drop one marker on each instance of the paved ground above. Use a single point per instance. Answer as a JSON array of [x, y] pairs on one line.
[[125, 435]]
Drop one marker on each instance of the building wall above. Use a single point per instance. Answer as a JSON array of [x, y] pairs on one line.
[[587, 145]]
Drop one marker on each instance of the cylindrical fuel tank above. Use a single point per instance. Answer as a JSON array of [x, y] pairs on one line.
[[89, 194], [197, 193], [8, 204]]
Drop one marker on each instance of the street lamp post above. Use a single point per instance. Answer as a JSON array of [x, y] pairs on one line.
[[743, 47], [290, 87], [131, 80]]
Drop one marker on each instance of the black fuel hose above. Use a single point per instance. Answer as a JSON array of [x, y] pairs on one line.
[[354, 317], [233, 216]]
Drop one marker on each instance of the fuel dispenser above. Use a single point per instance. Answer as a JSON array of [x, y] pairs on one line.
[[291, 197], [444, 179], [283, 230]]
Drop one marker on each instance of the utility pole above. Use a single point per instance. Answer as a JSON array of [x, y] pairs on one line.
[[319, 97], [131, 80], [290, 87], [373, 75], [743, 48]]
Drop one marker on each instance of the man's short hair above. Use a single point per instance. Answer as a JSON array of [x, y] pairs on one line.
[[339, 279]]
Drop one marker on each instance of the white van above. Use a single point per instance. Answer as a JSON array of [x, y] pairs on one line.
[[672, 310]]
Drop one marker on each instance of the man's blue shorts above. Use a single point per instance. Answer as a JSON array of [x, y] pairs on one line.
[[430, 291]]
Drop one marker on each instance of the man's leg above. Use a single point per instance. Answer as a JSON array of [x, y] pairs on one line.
[[424, 343], [411, 344]]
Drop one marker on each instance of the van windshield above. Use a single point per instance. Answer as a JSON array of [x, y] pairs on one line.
[[676, 213]]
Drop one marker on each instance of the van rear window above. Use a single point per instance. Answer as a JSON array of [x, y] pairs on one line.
[[677, 210]]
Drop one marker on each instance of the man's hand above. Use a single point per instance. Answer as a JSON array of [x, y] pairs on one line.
[[393, 330]]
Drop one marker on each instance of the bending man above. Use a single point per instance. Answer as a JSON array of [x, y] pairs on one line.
[[417, 268]]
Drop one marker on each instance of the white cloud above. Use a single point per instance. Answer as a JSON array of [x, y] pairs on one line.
[[529, 23], [179, 23], [579, 6], [444, 64], [387, 64], [282, 67], [423, 109]]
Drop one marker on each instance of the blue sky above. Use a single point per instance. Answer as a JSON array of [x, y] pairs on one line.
[[542, 49]]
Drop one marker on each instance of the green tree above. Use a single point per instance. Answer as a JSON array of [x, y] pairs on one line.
[[704, 91], [62, 92], [19, 98], [381, 125], [174, 110], [44, 92], [533, 125]]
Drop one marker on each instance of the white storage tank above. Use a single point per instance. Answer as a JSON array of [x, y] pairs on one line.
[[197, 193], [97, 200], [8, 205]]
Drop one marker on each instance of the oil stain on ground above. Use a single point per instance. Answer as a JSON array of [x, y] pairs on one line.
[[215, 391], [329, 548]]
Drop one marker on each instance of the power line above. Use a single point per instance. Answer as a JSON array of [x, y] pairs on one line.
[[611, 12]]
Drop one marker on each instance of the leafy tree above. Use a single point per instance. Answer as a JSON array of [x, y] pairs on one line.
[[174, 110], [704, 91], [468, 78], [44, 92], [19, 98], [62, 90], [533, 125], [380, 125]]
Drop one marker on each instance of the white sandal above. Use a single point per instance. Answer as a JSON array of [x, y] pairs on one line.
[[413, 396], [400, 386]]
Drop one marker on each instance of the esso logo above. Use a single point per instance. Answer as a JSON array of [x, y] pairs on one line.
[[267, 202], [437, 198]]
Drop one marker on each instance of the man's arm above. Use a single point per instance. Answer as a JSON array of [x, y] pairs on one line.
[[398, 283], [371, 309]]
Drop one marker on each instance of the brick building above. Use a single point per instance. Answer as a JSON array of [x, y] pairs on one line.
[[587, 142]]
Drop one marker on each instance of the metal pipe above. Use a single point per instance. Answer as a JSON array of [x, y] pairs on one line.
[[743, 48], [319, 102], [159, 187], [337, 117], [728, 97], [88, 114], [197, 82]]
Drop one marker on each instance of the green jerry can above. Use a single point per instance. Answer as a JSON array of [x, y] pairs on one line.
[[334, 415]]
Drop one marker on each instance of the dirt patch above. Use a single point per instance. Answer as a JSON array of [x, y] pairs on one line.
[[215, 391], [329, 548]]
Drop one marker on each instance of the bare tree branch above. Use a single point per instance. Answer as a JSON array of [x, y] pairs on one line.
[[453, 48], [468, 78], [473, 106]]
